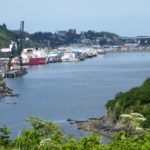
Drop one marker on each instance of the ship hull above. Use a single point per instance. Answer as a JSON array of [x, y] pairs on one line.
[[36, 61]]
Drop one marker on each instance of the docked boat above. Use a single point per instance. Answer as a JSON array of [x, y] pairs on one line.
[[54, 56], [100, 51], [69, 57], [34, 57], [91, 52]]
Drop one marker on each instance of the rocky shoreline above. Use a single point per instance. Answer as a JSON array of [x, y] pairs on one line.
[[98, 125], [5, 91]]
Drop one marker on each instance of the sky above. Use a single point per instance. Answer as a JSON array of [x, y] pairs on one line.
[[123, 17]]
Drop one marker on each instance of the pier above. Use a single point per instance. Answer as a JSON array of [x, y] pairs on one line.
[[15, 73]]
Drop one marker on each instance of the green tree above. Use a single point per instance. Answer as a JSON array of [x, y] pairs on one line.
[[4, 136]]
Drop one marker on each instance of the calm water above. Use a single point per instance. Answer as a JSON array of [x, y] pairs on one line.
[[72, 90]]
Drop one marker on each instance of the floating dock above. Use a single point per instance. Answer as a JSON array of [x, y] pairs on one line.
[[15, 73]]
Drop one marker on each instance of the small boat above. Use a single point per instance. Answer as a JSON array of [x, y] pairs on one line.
[[100, 51], [69, 57], [54, 56]]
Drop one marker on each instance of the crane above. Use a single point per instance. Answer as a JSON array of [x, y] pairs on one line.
[[16, 49], [20, 42]]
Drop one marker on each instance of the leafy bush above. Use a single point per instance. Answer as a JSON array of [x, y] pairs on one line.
[[45, 135]]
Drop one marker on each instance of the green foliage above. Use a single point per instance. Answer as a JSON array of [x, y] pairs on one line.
[[6, 36], [71, 145], [4, 136], [44, 128], [49, 144], [72, 37], [135, 100], [29, 44], [125, 140], [45, 135], [91, 142], [41, 129], [28, 139]]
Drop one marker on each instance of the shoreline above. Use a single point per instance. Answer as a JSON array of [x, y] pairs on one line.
[[98, 125], [6, 91], [140, 49]]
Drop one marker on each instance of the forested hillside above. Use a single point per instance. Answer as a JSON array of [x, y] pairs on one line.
[[136, 100], [6, 36]]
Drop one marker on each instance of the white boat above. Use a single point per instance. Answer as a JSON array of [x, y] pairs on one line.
[[54, 56], [69, 57], [100, 51]]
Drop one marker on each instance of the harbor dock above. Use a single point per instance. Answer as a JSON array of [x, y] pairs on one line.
[[15, 73]]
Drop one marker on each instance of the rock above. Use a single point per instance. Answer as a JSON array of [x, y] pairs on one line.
[[69, 120], [99, 125], [6, 91]]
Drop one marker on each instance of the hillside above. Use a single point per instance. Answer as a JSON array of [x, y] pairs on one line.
[[136, 100], [127, 111], [71, 36], [6, 36], [60, 38]]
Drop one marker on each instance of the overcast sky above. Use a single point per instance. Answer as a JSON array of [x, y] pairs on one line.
[[124, 17]]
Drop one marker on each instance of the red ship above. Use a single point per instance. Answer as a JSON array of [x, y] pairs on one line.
[[34, 57]]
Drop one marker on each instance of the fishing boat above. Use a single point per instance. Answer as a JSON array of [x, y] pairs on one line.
[[34, 57]]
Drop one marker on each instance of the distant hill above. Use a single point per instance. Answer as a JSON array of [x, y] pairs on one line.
[[60, 38], [6, 36], [135, 100], [68, 37], [72, 37]]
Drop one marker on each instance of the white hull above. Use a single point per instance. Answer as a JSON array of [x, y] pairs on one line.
[[70, 60]]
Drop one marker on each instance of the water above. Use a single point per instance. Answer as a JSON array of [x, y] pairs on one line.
[[78, 90]]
